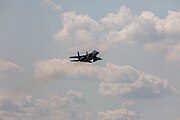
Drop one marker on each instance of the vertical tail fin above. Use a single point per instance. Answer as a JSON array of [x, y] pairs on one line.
[[78, 55]]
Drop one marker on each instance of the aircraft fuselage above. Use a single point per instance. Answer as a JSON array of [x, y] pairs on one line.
[[89, 57]]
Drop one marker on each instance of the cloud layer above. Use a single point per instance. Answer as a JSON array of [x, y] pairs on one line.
[[55, 107], [67, 107], [115, 80]]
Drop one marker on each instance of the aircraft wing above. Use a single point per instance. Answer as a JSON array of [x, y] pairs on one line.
[[77, 56], [75, 60], [74, 57]]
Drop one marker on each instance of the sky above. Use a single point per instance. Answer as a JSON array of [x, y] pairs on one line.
[[138, 78]]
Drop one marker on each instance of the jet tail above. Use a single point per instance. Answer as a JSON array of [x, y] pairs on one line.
[[78, 55]]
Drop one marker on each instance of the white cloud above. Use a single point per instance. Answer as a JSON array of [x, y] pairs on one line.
[[77, 30], [115, 80], [126, 112], [24, 107], [8, 67], [119, 20], [145, 27], [53, 5], [81, 32]]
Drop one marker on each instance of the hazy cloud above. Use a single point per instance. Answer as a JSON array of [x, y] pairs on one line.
[[3, 95], [24, 107], [8, 67], [128, 82], [116, 80], [125, 112], [53, 106], [174, 55], [146, 86], [51, 68], [53, 5]]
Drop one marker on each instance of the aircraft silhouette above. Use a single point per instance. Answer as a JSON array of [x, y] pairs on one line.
[[88, 57]]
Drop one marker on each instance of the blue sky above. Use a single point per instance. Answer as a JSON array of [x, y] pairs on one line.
[[138, 78]]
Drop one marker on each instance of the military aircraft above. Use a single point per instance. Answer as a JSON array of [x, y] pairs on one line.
[[88, 57]]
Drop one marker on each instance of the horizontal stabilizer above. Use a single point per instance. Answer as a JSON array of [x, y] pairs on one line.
[[96, 59]]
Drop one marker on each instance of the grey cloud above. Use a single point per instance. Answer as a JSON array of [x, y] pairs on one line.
[[76, 97], [174, 55], [125, 112], [53, 5], [115, 80], [7, 67], [128, 105], [146, 86], [24, 107]]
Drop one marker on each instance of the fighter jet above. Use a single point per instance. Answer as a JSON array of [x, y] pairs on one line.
[[88, 57]]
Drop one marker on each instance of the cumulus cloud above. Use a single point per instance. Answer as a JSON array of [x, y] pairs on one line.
[[53, 5], [125, 112], [77, 31], [126, 81], [51, 68], [115, 80], [146, 86], [81, 32], [24, 107], [8, 67], [146, 27], [117, 20]]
